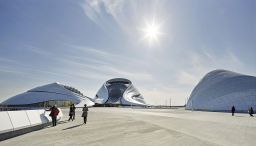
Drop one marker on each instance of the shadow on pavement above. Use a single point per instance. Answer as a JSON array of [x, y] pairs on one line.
[[72, 127], [62, 122]]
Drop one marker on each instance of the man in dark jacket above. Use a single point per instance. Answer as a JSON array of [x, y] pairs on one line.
[[251, 112], [54, 113], [233, 110]]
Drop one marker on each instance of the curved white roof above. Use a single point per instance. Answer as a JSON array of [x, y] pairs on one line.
[[119, 91], [219, 90], [54, 91]]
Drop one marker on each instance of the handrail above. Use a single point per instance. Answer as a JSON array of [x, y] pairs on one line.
[[17, 108]]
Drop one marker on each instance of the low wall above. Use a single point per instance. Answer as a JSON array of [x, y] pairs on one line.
[[14, 123]]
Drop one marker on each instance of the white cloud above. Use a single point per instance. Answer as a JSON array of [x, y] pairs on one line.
[[103, 71], [129, 15], [204, 61], [97, 10], [188, 79], [38, 50], [94, 9], [114, 7], [99, 64], [233, 59], [12, 71]]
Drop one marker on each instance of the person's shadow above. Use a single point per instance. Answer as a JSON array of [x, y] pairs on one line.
[[238, 116], [72, 127], [63, 122]]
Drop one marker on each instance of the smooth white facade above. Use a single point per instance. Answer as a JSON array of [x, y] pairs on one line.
[[50, 92], [119, 91], [219, 90], [15, 120]]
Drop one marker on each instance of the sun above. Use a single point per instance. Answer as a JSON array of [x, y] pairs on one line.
[[152, 31]]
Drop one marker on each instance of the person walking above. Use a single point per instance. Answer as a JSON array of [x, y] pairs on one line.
[[233, 109], [85, 113], [54, 113], [72, 112], [251, 112]]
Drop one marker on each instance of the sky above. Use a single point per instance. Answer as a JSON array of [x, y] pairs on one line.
[[83, 43]]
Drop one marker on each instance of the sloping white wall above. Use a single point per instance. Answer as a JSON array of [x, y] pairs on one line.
[[19, 119], [34, 117], [6, 124], [14, 120]]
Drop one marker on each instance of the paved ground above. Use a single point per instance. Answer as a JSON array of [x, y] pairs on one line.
[[141, 127]]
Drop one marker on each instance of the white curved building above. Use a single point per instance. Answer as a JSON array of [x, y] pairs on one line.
[[119, 91], [48, 93], [219, 90]]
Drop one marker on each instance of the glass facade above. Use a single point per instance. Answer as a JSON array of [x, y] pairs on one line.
[[116, 91], [59, 103]]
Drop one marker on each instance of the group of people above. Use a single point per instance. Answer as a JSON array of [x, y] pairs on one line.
[[250, 111], [54, 111], [72, 113]]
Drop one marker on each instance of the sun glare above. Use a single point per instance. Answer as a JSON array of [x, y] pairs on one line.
[[152, 31]]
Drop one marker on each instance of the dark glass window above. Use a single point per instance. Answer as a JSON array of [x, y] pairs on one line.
[[116, 91]]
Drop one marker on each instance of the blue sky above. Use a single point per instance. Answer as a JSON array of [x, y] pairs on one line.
[[86, 42]]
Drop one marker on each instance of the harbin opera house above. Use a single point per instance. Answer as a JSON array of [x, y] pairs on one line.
[[118, 91], [219, 90], [114, 92]]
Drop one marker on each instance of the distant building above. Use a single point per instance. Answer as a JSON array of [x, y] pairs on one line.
[[219, 90], [118, 91], [48, 95]]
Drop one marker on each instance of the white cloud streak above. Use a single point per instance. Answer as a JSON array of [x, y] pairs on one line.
[[205, 61], [128, 15], [96, 64]]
